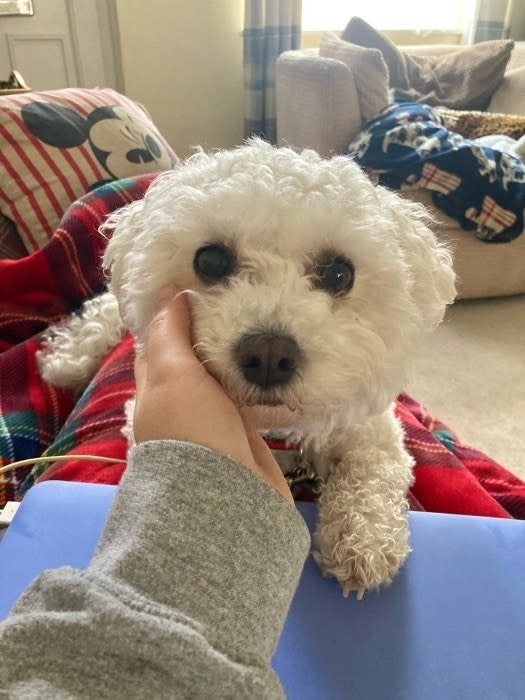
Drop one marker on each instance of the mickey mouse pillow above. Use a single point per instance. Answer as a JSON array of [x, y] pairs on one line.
[[55, 146]]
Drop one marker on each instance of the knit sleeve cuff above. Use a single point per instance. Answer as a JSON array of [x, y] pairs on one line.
[[193, 529]]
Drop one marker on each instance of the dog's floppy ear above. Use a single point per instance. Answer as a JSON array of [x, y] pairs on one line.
[[122, 228], [429, 262]]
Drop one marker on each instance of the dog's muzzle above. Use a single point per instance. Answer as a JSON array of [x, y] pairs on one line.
[[267, 359]]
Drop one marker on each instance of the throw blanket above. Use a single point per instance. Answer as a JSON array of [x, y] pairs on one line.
[[36, 291], [408, 147], [37, 419]]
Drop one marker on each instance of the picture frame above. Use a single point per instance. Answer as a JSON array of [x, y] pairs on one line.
[[22, 8]]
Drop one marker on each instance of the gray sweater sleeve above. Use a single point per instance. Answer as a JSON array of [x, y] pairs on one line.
[[185, 596]]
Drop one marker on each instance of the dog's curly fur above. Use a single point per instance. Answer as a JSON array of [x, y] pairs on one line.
[[279, 213]]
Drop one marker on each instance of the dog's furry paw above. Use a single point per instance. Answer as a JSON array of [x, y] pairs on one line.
[[363, 564], [72, 351], [362, 534]]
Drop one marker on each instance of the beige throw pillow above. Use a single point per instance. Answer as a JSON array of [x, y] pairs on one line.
[[463, 79], [368, 69]]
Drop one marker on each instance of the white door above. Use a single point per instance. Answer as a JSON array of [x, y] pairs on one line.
[[66, 43]]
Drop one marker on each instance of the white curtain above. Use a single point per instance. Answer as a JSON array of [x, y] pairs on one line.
[[333, 15]]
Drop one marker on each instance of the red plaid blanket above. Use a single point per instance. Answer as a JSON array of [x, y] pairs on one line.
[[37, 419]]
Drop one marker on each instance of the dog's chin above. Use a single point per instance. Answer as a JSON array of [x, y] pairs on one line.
[[264, 409], [269, 416], [266, 401]]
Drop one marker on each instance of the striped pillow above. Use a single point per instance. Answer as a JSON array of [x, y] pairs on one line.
[[55, 146]]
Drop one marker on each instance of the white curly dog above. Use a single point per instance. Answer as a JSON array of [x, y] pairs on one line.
[[310, 288]]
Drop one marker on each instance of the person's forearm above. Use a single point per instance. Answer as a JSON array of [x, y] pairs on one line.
[[190, 585]]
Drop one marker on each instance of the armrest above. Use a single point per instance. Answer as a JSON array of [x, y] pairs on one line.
[[509, 98], [316, 103]]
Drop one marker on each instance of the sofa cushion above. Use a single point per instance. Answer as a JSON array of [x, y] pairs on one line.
[[368, 69], [463, 79], [58, 145], [510, 96], [482, 270]]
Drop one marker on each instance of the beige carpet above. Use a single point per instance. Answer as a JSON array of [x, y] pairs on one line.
[[471, 374]]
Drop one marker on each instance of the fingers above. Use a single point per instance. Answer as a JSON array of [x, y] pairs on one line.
[[170, 329], [267, 465], [168, 345], [260, 450], [201, 412], [140, 369]]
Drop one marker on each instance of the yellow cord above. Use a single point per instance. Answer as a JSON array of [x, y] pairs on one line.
[[59, 458]]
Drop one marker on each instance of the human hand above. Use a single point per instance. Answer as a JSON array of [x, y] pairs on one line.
[[177, 399]]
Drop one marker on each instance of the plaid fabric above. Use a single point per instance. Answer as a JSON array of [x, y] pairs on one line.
[[490, 216], [34, 418], [270, 27], [94, 426], [451, 477], [11, 245], [31, 413], [432, 178], [38, 290]]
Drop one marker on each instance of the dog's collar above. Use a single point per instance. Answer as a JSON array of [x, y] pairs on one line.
[[299, 472], [287, 455]]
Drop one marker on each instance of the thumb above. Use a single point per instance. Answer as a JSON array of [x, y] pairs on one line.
[[170, 330]]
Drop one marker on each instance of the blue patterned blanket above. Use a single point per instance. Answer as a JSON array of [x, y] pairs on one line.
[[408, 147]]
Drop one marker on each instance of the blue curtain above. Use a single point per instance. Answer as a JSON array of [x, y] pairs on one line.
[[270, 27], [493, 20]]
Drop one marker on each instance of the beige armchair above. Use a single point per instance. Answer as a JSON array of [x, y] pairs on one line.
[[318, 107]]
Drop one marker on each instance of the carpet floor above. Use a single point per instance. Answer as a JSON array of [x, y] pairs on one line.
[[470, 373]]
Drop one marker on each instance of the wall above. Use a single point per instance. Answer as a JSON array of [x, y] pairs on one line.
[[66, 43], [517, 21], [182, 59]]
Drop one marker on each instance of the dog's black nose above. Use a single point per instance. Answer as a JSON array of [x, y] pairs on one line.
[[267, 359]]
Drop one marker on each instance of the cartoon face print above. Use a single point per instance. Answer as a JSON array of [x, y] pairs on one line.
[[133, 145], [125, 143]]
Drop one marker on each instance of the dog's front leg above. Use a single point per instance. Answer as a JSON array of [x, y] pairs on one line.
[[362, 533], [72, 351]]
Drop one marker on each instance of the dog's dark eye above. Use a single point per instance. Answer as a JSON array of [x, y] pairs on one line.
[[213, 262], [334, 274]]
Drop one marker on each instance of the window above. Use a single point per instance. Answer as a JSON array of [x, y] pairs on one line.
[[449, 15]]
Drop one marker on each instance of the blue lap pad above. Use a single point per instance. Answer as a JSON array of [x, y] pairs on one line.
[[450, 627]]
